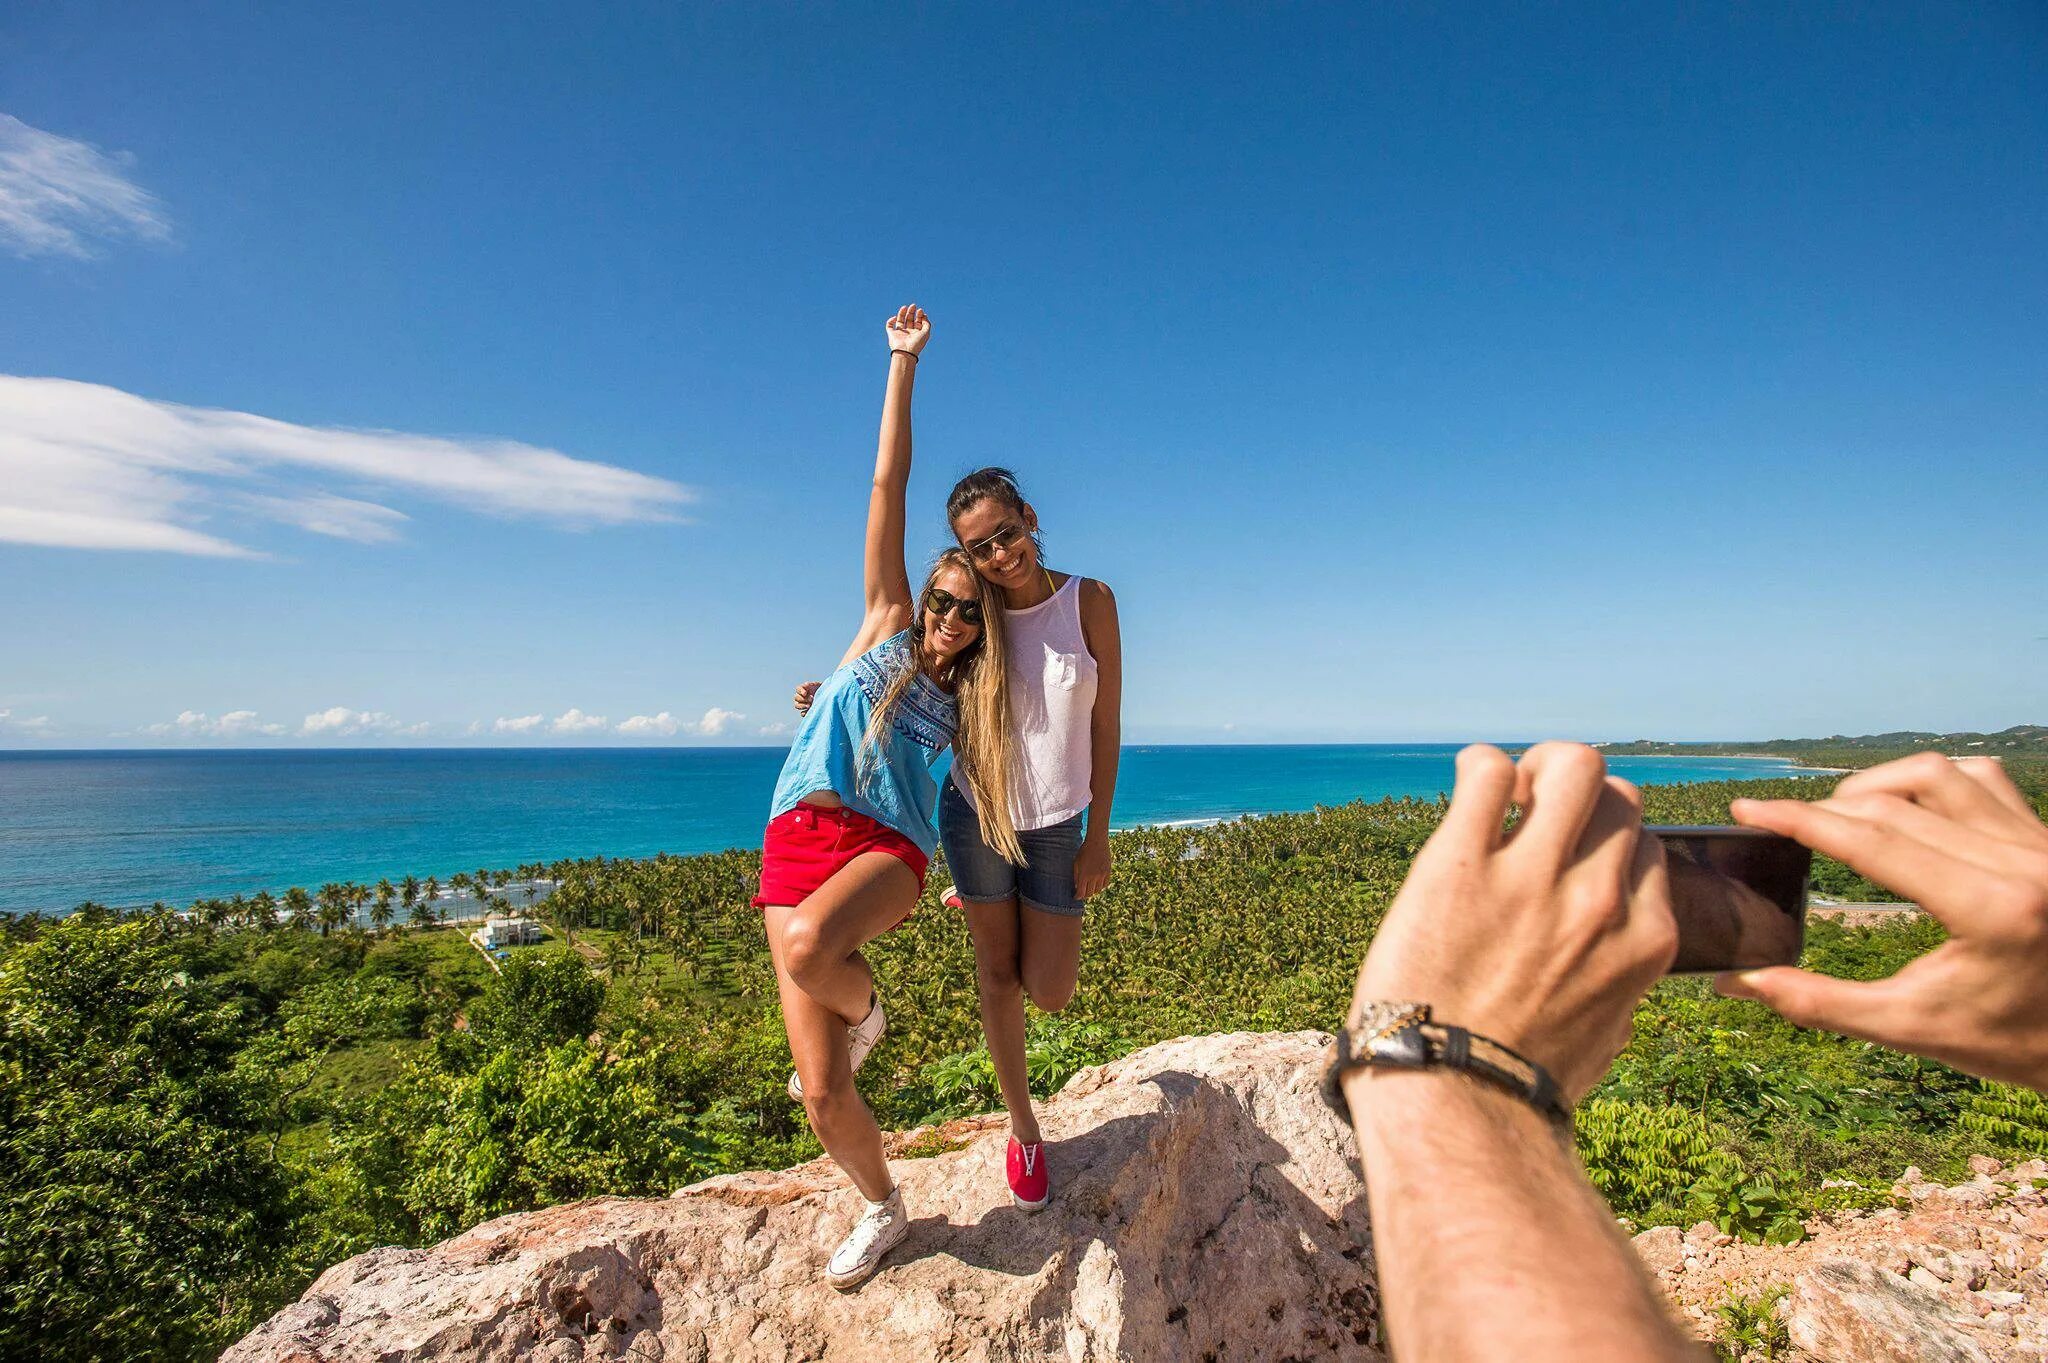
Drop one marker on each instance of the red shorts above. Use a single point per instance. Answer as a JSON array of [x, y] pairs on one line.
[[804, 847]]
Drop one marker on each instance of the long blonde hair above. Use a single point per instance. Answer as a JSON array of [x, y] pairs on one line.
[[984, 745]]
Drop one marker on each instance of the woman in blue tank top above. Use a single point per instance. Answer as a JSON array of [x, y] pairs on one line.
[[850, 829]]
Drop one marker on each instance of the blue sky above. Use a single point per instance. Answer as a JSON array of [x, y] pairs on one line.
[[477, 374]]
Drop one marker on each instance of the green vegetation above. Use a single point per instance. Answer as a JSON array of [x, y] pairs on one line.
[[197, 1115], [1749, 1327]]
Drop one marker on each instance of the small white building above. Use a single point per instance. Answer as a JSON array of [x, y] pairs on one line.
[[508, 932]]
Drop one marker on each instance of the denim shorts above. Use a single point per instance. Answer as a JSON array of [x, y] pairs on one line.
[[1045, 882]]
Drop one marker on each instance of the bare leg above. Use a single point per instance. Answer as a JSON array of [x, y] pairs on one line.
[[1050, 959], [998, 978], [822, 935], [820, 939]]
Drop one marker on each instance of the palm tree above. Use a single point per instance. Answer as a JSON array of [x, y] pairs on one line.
[[409, 892], [358, 895], [298, 907], [380, 911], [432, 892], [333, 911], [263, 911]]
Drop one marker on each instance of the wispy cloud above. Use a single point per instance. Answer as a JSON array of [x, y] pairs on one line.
[[344, 518], [524, 724], [199, 724], [59, 196], [779, 729], [85, 466], [30, 726]]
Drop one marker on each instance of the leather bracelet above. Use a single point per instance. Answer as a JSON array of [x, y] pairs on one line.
[[1403, 1036], [911, 353]]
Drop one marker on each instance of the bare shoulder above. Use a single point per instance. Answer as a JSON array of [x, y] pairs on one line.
[[1097, 598]]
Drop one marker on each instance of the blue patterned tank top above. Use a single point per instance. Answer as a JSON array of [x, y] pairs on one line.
[[898, 791]]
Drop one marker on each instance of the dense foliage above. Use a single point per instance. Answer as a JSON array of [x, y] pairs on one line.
[[197, 1114]]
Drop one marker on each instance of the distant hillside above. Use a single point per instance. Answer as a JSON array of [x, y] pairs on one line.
[[2027, 742]]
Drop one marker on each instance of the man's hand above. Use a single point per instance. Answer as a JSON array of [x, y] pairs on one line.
[[1092, 865], [805, 693], [909, 329], [1959, 838], [1543, 939]]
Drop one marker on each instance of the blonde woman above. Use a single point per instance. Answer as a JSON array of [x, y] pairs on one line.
[[850, 830]]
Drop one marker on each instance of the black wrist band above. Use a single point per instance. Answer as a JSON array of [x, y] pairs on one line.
[[911, 353], [1402, 1036]]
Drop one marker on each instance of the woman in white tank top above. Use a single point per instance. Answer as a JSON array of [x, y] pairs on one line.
[[1065, 662]]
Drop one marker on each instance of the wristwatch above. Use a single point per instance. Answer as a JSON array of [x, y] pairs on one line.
[[1404, 1036]]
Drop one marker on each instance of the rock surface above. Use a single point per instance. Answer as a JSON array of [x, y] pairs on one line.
[[1207, 1205], [1951, 1273]]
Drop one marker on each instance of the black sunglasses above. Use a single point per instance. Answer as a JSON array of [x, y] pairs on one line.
[[939, 602]]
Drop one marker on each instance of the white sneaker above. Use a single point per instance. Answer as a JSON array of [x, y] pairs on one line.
[[879, 1230], [859, 1041]]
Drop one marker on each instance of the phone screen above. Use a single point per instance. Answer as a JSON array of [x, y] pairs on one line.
[[1739, 895]]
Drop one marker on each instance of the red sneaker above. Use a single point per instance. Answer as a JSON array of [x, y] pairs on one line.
[[1030, 1185], [950, 897]]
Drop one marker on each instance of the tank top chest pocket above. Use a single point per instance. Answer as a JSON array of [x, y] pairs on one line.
[[1062, 670]]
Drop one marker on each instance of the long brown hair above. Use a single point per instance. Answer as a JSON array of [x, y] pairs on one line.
[[984, 744]]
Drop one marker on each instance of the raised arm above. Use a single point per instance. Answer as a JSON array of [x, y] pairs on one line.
[[884, 578]]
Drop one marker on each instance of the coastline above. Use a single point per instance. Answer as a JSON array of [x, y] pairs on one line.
[[187, 827]]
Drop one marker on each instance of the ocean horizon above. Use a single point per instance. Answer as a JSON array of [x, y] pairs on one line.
[[133, 827]]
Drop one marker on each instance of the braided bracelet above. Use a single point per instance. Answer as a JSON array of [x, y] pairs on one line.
[[1403, 1036]]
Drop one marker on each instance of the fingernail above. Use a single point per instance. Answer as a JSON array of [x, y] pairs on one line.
[[1734, 985]]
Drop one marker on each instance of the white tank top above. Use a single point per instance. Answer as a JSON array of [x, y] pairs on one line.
[[1052, 710]]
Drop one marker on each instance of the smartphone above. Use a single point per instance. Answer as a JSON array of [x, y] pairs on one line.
[[1739, 895]]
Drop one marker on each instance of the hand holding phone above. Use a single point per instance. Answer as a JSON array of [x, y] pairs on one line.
[[1738, 895]]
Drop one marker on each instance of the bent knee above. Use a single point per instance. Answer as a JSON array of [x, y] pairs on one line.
[[1049, 996], [803, 949]]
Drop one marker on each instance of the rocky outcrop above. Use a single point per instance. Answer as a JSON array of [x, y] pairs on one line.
[[1208, 1206], [1953, 1272]]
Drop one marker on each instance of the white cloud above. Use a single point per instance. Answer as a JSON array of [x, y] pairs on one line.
[[647, 726], [343, 518], [525, 724], [716, 721], [57, 195], [85, 466], [34, 726], [779, 729], [574, 721], [199, 724], [339, 721]]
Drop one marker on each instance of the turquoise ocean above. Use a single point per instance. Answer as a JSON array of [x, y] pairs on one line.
[[131, 828]]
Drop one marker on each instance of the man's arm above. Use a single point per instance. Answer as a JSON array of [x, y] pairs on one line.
[[1490, 1242]]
